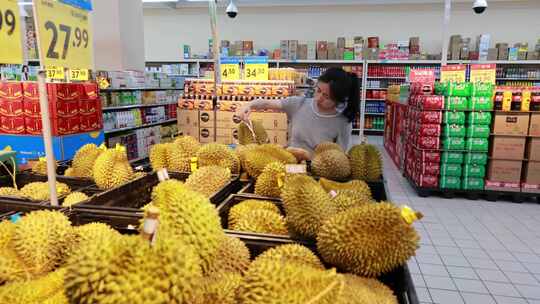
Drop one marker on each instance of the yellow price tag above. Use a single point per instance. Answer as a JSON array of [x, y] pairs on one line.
[[453, 73], [11, 51], [256, 71], [409, 215], [485, 73], [78, 74], [230, 72], [64, 35], [194, 164], [55, 73]]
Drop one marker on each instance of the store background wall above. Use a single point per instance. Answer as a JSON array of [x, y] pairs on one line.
[[166, 30]]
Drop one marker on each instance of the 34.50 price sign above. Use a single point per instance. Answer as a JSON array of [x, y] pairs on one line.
[[64, 35], [10, 33]]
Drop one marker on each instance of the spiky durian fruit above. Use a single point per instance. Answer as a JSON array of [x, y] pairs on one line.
[[214, 154], [74, 198], [47, 289], [291, 253], [112, 168], [70, 172], [360, 290], [347, 199], [84, 159], [359, 162], [281, 282], [238, 211], [326, 146], [189, 218], [158, 156], [34, 246], [187, 145], [208, 180], [255, 162], [221, 288], [40, 166], [332, 164], [246, 136], [271, 180], [39, 191], [374, 163], [307, 205], [125, 271], [9, 191], [353, 185], [368, 240], [90, 233], [233, 257], [279, 152], [261, 221]]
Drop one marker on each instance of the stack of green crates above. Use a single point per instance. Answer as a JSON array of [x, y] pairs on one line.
[[465, 135]]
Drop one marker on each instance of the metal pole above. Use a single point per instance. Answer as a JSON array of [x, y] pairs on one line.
[[212, 5], [45, 118], [363, 100], [446, 24]]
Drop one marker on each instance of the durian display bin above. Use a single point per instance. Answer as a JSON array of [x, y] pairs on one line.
[[61, 168], [8, 208], [124, 222], [134, 195], [399, 280]]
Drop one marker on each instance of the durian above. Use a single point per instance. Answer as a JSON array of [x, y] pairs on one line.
[[158, 156], [246, 136], [278, 152], [90, 233], [40, 166], [326, 146], [9, 191], [270, 181], [237, 211], [221, 288], [46, 289], [208, 180], [276, 282], [261, 221], [370, 240], [70, 172], [74, 198], [39, 191], [374, 163], [353, 185], [214, 154], [366, 162], [360, 290], [293, 254], [300, 154], [347, 199], [112, 168], [233, 257], [307, 205], [187, 145], [331, 164], [189, 218], [83, 161]]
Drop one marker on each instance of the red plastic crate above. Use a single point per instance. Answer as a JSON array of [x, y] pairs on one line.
[[91, 122], [89, 106], [12, 124]]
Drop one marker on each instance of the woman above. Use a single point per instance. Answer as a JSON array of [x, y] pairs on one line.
[[326, 117]]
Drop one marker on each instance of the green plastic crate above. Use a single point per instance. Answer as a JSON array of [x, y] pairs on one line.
[[452, 158], [475, 159], [478, 131], [451, 169], [455, 118], [454, 130], [450, 182], [474, 171]]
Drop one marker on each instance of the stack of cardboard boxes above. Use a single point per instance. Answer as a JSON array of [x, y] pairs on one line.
[[532, 165], [460, 49]]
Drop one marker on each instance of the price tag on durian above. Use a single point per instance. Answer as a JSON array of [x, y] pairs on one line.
[[194, 164], [11, 51], [163, 175], [55, 73], [296, 169], [230, 68], [256, 68], [78, 74]]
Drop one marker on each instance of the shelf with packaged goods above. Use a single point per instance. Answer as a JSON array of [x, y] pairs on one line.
[[141, 89], [311, 61], [141, 126], [387, 77], [377, 89], [517, 79], [375, 114], [375, 99], [115, 108]]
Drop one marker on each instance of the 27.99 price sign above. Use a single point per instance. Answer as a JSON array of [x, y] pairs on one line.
[[65, 35], [10, 33]]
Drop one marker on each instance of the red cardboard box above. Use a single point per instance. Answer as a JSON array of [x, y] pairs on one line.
[[11, 98], [90, 106], [421, 88], [429, 117], [10, 90], [427, 156], [432, 102], [33, 125], [89, 90], [426, 142], [428, 181], [428, 168], [429, 130], [91, 122], [65, 126], [12, 124], [63, 99]]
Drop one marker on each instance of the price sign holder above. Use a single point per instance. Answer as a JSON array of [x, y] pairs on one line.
[[230, 68], [485, 73], [453, 73], [256, 68], [78, 74], [11, 51]]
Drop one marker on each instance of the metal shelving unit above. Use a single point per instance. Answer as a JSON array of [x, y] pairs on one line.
[[141, 126], [140, 89], [127, 107]]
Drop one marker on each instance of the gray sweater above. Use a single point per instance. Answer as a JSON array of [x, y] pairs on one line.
[[308, 128]]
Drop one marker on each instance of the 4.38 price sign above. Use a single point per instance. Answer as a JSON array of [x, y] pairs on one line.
[[10, 33], [64, 34]]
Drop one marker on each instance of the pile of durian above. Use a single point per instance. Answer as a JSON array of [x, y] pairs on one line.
[[39, 191], [44, 259]]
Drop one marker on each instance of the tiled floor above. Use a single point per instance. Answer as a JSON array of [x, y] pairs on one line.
[[473, 252]]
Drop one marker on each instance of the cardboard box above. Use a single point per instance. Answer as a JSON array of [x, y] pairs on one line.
[[511, 124], [224, 136], [322, 50], [302, 51], [534, 127], [189, 131], [271, 121], [532, 173], [277, 137], [492, 54], [332, 51], [341, 42], [206, 119], [207, 135], [293, 49], [505, 171], [533, 149], [284, 47], [504, 147], [312, 50], [227, 120], [188, 118]]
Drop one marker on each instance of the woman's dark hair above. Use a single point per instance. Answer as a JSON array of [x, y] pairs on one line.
[[344, 88]]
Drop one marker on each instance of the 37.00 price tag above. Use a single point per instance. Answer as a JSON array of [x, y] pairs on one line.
[[65, 35], [10, 33], [78, 74], [55, 73]]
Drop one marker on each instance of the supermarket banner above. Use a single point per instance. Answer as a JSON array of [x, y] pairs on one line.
[[230, 68], [483, 73], [422, 75], [256, 68], [11, 51], [64, 35], [453, 73]]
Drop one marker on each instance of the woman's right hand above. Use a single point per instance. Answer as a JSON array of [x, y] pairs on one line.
[[244, 112]]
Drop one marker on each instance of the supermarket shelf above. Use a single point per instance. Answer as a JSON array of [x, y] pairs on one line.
[[382, 61], [386, 77], [375, 114], [315, 61], [140, 127], [141, 89], [190, 60], [138, 106], [519, 79], [181, 75], [371, 130], [376, 88], [389, 61], [375, 99]]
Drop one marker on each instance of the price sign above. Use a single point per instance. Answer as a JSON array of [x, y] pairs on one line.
[[422, 75], [78, 74], [485, 73], [230, 68], [55, 73], [256, 68], [64, 35], [11, 51], [453, 73], [296, 169]]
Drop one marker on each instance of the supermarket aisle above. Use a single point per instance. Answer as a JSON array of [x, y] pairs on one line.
[[473, 252]]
